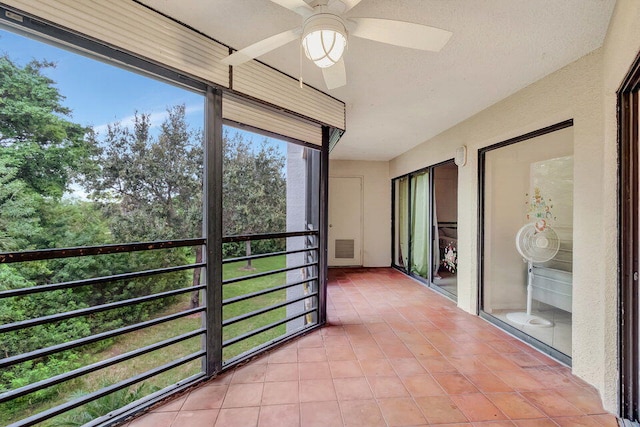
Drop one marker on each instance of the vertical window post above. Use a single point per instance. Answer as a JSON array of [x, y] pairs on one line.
[[213, 229]]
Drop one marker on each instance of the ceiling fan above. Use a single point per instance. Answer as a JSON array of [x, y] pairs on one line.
[[325, 31]]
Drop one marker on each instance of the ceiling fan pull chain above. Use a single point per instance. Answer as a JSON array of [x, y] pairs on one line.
[[300, 49]]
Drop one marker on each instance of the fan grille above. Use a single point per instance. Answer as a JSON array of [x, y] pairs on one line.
[[537, 246]]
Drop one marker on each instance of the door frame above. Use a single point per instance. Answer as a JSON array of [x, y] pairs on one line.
[[628, 244], [361, 252]]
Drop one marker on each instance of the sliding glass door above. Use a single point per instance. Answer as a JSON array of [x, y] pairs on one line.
[[424, 208]]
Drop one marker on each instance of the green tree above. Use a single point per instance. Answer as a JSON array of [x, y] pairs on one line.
[[254, 192], [36, 136], [151, 187]]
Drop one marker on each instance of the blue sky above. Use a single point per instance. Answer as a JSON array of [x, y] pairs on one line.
[[99, 93]]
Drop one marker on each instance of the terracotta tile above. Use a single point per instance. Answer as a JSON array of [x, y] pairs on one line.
[[155, 419], [368, 352], [314, 371], [242, 395], [345, 368], [312, 340], [503, 423], [422, 385], [377, 367], [340, 353], [401, 412], [515, 406], [209, 397], [407, 367], [551, 403], [238, 417], [437, 364], [468, 364], [311, 354], [336, 340], [206, 418], [352, 389], [320, 414], [584, 421], [279, 416], [423, 350], [585, 400], [387, 387], [280, 392], [488, 382], [454, 383], [361, 413], [249, 374], [477, 407], [440, 410], [284, 355], [396, 350], [497, 362], [317, 390], [519, 380], [282, 372], [539, 422], [524, 360], [606, 420], [172, 405]]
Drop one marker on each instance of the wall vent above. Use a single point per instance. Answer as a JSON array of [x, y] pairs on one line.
[[344, 248]]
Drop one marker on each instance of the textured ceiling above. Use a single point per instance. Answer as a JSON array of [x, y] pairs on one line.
[[396, 97]]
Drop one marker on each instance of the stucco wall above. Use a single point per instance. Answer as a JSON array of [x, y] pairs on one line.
[[574, 92], [621, 47], [376, 239]]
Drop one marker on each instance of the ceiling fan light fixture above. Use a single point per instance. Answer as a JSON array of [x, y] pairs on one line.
[[324, 39]]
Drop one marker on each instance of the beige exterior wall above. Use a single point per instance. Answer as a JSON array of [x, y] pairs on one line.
[[574, 92], [621, 47], [376, 184]]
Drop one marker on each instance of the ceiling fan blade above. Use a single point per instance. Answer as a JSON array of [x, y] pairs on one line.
[[298, 6], [399, 33], [261, 47], [350, 4], [335, 76]]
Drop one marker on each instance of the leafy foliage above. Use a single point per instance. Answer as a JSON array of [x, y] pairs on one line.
[[144, 184]]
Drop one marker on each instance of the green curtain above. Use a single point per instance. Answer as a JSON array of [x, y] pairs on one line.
[[420, 224], [403, 226]]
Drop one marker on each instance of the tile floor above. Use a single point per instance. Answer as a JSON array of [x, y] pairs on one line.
[[393, 354]]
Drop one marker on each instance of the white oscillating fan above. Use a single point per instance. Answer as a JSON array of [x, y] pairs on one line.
[[536, 242]]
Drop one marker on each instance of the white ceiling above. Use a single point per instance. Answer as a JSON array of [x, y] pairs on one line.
[[397, 97]]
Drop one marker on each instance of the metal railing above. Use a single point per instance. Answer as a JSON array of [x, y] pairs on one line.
[[41, 354], [293, 293], [287, 307]]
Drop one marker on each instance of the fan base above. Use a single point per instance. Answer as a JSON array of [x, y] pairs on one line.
[[525, 319]]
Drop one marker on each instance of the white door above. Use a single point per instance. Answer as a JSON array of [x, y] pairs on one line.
[[345, 221]]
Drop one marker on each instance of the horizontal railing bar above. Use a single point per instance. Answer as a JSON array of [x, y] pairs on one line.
[[97, 280], [44, 254], [8, 327], [9, 361], [267, 273], [264, 236], [266, 291], [239, 338], [266, 309], [22, 391], [271, 254], [57, 410]]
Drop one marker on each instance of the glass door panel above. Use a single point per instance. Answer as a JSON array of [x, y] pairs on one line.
[[420, 224]]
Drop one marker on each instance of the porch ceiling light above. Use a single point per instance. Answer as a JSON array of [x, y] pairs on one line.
[[324, 39]]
